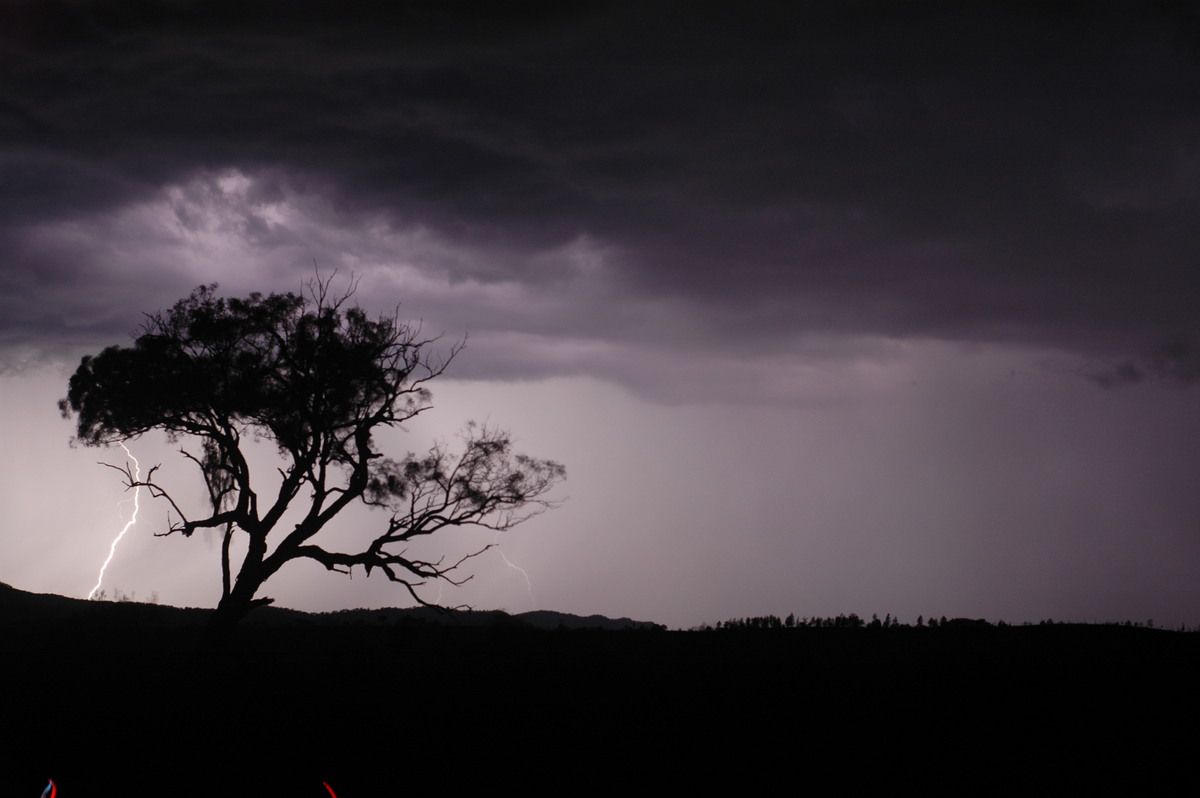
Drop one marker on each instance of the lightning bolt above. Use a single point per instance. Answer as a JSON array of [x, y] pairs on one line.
[[496, 545], [515, 567], [137, 474]]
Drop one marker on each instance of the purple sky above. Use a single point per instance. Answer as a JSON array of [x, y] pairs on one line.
[[827, 307]]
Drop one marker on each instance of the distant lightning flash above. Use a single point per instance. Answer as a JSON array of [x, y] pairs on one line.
[[496, 545], [137, 474], [515, 567]]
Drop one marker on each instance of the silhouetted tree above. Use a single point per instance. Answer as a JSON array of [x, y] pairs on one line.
[[317, 377]]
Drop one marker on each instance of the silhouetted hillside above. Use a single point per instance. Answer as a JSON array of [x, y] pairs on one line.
[[21, 608], [106, 698]]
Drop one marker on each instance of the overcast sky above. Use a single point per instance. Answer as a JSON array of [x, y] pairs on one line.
[[827, 307]]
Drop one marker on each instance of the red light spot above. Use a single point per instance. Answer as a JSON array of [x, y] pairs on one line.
[[331, 792]]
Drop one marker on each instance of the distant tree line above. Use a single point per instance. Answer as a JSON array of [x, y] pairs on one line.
[[853, 621]]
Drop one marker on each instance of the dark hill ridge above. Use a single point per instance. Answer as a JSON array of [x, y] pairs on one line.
[[118, 699], [22, 608], [537, 619]]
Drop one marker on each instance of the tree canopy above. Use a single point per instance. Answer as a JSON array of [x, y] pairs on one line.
[[317, 376]]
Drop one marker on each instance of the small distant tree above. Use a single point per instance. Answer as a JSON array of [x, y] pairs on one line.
[[318, 377]]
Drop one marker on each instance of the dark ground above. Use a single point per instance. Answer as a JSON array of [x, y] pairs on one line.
[[117, 708]]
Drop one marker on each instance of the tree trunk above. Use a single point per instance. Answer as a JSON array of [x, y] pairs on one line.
[[233, 607], [225, 576]]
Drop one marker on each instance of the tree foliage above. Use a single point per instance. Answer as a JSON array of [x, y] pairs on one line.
[[317, 377]]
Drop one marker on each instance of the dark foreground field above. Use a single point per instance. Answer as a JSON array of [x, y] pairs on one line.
[[114, 706]]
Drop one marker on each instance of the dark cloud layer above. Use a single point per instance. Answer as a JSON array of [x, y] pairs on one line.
[[1176, 361], [999, 173]]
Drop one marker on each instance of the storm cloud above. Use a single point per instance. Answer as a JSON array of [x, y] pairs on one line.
[[1005, 174]]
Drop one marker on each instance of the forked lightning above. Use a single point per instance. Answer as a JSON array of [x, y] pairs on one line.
[[137, 473]]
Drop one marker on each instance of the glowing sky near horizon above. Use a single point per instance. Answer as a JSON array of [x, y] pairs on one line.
[[888, 310]]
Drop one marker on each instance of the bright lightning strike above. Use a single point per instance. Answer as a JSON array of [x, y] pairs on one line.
[[137, 474]]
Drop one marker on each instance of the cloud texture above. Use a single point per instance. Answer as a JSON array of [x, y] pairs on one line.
[[1001, 174]]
